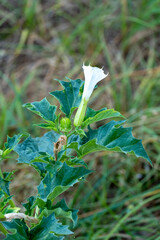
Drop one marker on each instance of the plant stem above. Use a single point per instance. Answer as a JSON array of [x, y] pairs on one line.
[[72, 132], [3, 230], [1, 174]]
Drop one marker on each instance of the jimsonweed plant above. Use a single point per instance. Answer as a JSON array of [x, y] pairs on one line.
[[58, 158]]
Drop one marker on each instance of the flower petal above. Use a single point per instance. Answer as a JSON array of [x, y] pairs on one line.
[[92, 76]]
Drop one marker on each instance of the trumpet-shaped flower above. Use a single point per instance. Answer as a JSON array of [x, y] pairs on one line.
[[93, 75]]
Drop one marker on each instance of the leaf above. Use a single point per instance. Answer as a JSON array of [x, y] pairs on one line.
[[2, 217], [69, 98], [13, 141], [49, 227], [61, 209], [75, 161], [8, 175], [11, 144], [52, 186], [18, 229], [4, 185], [49, 125], [33, 202], [74, 142], [32, 148], [28, 205], [53, 166], [95, 116], [43, 108], [4, 202], [110, 137], [80, 132]]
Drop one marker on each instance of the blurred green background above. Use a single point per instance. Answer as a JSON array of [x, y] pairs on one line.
[[45, 39]]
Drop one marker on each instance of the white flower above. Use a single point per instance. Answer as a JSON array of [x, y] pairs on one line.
[[93, 75]]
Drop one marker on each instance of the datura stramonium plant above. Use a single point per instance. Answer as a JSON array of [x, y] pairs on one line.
[[93, 75], [57, 156]]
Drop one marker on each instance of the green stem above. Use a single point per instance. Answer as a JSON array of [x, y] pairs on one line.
[[71, 133], [3, 230], [1, 174]]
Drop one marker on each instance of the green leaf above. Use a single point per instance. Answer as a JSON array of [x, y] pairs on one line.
[[80, 132], [43, 108], [75, 161], [8, 175], [29, 204], [53, 167], [49, 227], [95, 116], [2, 217], [13, 141], [61, 209], [18, 229], [11, 144], [4, 185], [49, 125], [109, 137], [4, 202], [32, 148], [33, 201], [69, 98], [52, 186]]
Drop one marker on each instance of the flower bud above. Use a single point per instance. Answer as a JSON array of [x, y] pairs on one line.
[[80, 114], [65, 124]]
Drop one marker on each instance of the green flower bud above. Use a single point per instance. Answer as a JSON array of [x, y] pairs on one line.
[[65, 124], [80, 114]]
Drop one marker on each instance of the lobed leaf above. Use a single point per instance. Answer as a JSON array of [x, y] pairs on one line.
[[49, 228], [13, 141], [53, 185], [11, 144], [43, 108], [69, 98], [33, 148], [4, 185], [75, 162], [18, 229], [95, 116], [111, 137], [61, 209]]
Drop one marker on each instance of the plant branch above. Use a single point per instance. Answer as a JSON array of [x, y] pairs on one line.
[[1, 174]]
